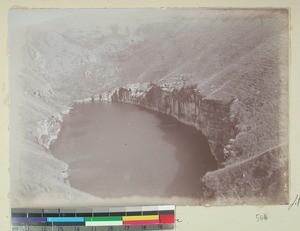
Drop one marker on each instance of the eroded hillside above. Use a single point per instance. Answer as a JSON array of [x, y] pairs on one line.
[[225, 72]]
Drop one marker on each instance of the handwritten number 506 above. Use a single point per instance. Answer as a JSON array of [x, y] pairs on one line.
[[261, 217]]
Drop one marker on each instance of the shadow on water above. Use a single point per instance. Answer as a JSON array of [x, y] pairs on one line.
[[192, 153]]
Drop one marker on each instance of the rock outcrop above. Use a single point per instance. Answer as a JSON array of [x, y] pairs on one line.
[[260, 178], [188, 106]]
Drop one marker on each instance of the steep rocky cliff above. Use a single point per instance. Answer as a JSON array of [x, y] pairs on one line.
[[189, 106], [262, 176]]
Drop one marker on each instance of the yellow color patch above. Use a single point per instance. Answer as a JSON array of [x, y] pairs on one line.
[[139, 218]]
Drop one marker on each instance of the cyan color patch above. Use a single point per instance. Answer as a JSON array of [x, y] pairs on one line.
[[65, 219]]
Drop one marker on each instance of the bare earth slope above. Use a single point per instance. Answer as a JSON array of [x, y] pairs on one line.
[[225, 72]]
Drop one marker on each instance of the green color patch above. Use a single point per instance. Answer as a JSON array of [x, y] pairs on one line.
[[111, 218]]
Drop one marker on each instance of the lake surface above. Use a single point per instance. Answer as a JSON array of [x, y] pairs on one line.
[[119, 150]]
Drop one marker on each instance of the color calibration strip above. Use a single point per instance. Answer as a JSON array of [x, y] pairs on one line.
[[109, 217]]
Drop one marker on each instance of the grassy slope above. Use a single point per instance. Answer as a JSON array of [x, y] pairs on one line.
[[238, 57]]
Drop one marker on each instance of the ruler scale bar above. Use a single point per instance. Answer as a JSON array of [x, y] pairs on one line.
[[140, 217]]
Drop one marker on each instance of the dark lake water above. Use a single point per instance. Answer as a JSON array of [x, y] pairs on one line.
[[119, 150]]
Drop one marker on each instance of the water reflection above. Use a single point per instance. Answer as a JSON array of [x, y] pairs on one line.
[[117, 150]]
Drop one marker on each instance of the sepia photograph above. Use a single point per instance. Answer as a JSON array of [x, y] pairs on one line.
[[114, 107]]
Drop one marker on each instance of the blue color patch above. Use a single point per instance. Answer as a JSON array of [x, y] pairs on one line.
[[65, 219]]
